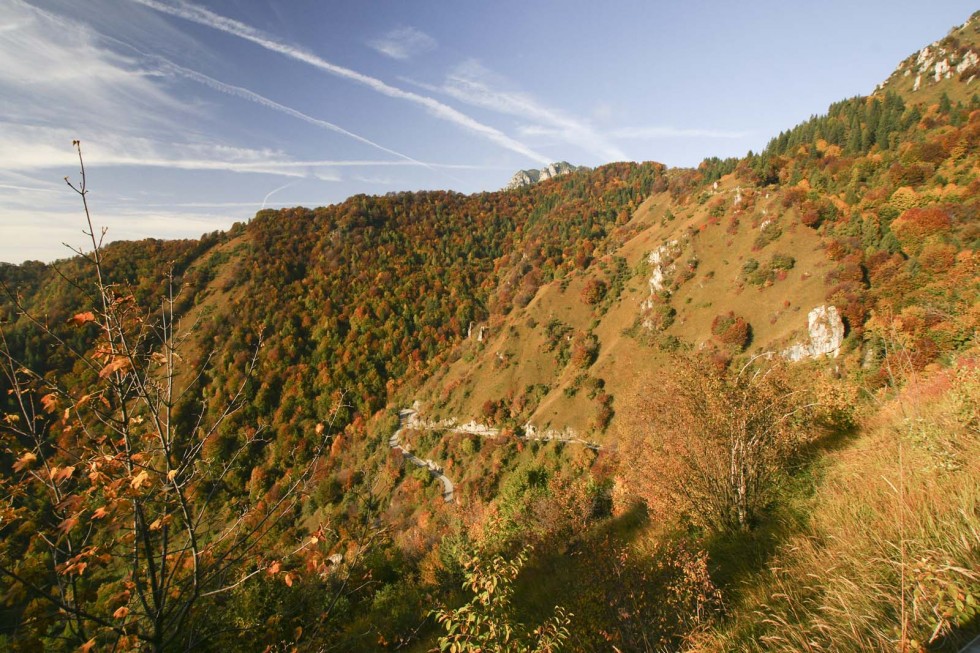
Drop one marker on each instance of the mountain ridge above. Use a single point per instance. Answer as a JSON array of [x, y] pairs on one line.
[[851, 243]]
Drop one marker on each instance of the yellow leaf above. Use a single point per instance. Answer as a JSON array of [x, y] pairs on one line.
[[139, 480], [121, 613], [171, 475], [24, 461], [314, 539]]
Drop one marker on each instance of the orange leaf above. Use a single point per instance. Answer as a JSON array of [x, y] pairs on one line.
[[274, 569], [87, 646], [117, 364], [121, 613], [49, 402], [100, 513], [82, 318], [68, 524], [289, 580]]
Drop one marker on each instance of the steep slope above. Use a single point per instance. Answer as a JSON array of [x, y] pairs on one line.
[[851, 239], [856, 223], [951, 65]]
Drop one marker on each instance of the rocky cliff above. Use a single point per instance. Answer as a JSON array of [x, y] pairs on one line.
[[530, 177]]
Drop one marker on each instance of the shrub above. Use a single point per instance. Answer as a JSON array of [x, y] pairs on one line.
[[915, 225], [732, 330], [594, 291], [713, 441]]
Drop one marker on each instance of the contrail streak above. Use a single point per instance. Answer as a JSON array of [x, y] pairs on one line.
[[274, 191], [210, 19], [252, 96]]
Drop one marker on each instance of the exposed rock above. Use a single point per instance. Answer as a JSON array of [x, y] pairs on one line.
[[662, 260], [530, 177], [826, 331], [969, 59], [937, 62]]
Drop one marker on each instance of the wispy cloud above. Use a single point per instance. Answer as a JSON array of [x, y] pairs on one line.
[[34, 147], [403, 43], [54, 71], [438, 109], [476, 85], [651, 133], [252, 96]]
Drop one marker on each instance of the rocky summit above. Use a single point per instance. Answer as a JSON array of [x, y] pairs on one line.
[[524, 178]]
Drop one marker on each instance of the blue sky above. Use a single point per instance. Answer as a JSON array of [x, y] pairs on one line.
[[194, 115]]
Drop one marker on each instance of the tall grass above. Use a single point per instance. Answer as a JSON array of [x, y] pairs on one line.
[[890, 560]]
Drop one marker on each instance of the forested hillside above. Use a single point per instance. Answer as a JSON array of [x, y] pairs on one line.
[[724, 408]]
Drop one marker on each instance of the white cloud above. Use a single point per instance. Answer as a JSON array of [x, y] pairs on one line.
[[403, 43], [27, 234], [31, 147], [474, 84], [438, 109]]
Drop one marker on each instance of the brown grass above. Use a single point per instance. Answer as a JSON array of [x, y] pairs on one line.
[[891, 558]]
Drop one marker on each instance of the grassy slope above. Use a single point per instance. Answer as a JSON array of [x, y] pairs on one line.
[[514, 355], [894, 521]]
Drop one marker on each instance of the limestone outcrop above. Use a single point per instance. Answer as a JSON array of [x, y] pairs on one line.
[[530, 177], [826, 335]]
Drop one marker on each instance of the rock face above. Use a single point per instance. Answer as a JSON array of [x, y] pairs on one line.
[[942, 60], [662, 261], [826, 330], [530, 177]]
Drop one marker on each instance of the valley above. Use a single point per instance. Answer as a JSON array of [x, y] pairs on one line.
[[730, 407]]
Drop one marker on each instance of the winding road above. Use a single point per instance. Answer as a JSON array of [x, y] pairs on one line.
[[408, 418]]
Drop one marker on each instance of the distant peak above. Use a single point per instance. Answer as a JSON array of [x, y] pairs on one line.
[[530, 177]]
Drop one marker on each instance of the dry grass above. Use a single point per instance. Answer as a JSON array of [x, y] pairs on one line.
[[891, 559]]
